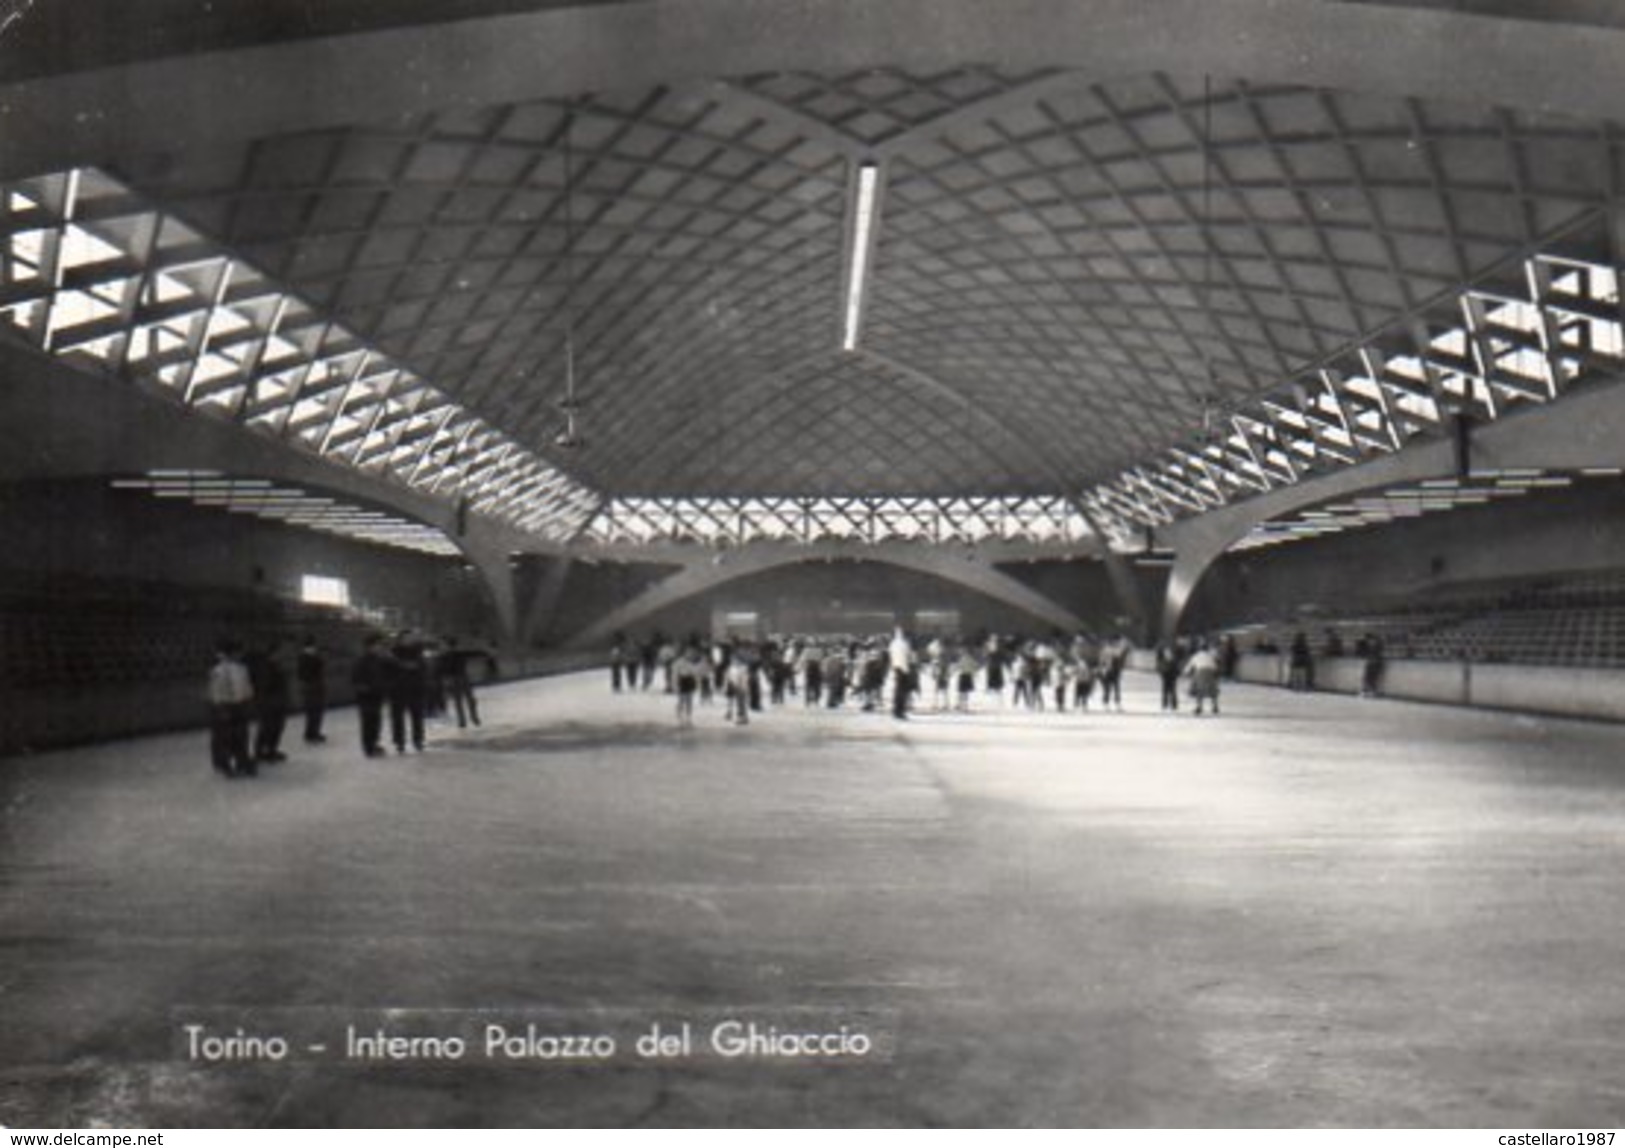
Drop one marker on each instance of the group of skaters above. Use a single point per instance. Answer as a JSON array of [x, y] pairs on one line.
[[250, 694], [1301, 655], [935, 674], [1202, 664]]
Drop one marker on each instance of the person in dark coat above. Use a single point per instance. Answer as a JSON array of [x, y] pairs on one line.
[[372, 677], [311, 670], [455, 659], [1169, 666], [649, 657], [434, 681], [812, 676], [617, 657], [407, 691], [834, 673], [1300, 663], [995, 672], [1113, 657], [1371, 671], [270, 679]]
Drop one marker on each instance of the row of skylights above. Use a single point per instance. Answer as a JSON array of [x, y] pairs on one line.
[[292, 507], [90, 273], [735, 520], [1412, 501], [1505, 350]]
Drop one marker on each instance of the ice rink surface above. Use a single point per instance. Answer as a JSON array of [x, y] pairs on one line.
[[1312, 910]]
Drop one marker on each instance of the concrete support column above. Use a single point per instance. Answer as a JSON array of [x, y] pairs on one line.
[[494, 562], [1126, 587], [1191, 561], [544, 599], [1199, 542]]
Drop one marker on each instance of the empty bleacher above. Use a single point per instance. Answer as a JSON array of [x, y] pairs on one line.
[[83, 657], [1571, 620]]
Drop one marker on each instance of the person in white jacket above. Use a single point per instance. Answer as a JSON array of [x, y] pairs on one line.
[[231, 697], [901, 655], [1203, 671]]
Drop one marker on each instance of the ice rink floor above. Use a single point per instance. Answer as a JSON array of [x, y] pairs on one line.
[[1312, 910]]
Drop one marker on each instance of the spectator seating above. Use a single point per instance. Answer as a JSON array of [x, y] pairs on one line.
[[1569, 620], [78, 632]]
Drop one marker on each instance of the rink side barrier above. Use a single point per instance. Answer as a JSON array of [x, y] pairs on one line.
[[1563, 691]]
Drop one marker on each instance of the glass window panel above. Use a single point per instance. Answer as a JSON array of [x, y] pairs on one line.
[[100, 349], [227, 400], [226, 321], [80, 247], [165, 288], [1520, 316], [76, 308], [27, 251], [213, 366], [25, 315], [321, 590]]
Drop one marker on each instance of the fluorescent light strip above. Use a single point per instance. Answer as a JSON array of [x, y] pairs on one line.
[[260, 498], [858, 278], [1427, 497]]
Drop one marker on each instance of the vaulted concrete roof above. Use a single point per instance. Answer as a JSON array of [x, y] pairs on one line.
[[1136, 271]]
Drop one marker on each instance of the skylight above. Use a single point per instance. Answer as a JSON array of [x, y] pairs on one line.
[[866, 520], [1500, 352], [94, 276]]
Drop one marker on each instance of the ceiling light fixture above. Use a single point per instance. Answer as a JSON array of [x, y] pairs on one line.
[[570, 437], [858, 256], [1213, 410]]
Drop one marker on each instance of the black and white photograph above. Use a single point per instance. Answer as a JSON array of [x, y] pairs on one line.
[[813, 564]]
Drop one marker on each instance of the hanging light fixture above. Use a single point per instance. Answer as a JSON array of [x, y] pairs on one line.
[[1210, 396], [861, 229], [570, 437]]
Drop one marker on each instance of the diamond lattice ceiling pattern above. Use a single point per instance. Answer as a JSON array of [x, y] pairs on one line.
[[1070, 278], [1074, 259]]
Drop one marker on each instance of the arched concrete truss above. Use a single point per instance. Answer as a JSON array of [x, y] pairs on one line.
[[704, 573], [1587, 429]]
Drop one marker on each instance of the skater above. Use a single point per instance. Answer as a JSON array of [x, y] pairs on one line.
[[231, 698], [1169, 666], [688, 669], [371, 677], [1203, 671], [311, 670]]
